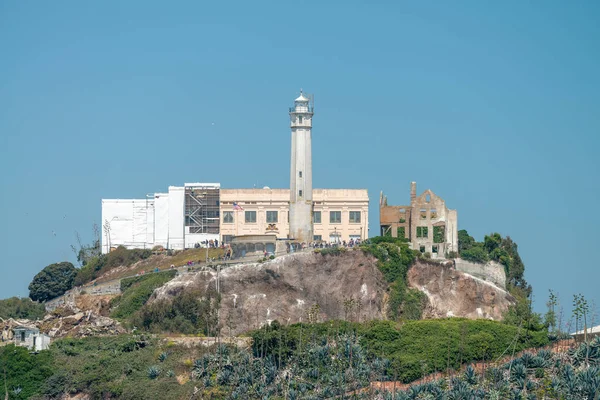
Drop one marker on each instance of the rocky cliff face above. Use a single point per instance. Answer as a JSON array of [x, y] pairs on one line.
[[455, 293], [347, 286]]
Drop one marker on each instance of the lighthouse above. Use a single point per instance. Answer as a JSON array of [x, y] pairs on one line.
[[301, 196]]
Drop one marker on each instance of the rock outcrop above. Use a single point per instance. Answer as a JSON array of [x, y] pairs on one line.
[[453, 293], [346, 286]]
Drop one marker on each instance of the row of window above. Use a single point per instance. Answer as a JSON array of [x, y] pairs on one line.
[[335, 217]]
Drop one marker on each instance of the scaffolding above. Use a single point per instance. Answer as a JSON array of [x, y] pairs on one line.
[[202, 208]]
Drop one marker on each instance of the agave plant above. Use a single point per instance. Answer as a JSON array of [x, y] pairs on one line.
[[153, 372], [162, 357], [224, 377], [470, 375], [170, 373], [518, 372], [527, 360], [589, 382], [459, 391], [545, 354]]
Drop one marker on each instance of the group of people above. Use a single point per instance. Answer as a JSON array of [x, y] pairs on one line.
[[321, 244], [212, 244], [291, 247]]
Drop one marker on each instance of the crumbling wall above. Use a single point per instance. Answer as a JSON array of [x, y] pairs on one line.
[[490, 271]]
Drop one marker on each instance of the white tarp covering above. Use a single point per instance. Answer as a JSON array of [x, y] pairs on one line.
[[125, 223], [145, 223], [176, 217], [161, 219]]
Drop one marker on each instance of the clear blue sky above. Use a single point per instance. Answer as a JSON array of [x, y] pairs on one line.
[[495, 107]]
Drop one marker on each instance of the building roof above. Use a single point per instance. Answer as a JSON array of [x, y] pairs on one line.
[[591, 330], [301, 98], [26, 327]]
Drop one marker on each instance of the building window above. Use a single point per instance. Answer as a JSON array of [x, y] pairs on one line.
[[228, 217], [335, 217], [300, 193], [227, 239], [317, 238], [271, 217], [22, 336], [422, 231], [434, 249], [250, 217], [355, 217], [422, 249], [316, 217], [433, 213], [300, 174], [300, 119], [423, 213], [401, 232]]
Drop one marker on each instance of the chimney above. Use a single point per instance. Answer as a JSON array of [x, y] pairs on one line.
[[413, 191]]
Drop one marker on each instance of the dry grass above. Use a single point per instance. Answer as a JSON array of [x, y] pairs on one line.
[[162, 262]]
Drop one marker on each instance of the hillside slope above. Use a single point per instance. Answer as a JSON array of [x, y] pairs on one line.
[[315, 287], [347, 286]]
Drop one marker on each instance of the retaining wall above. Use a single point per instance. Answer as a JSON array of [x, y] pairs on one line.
[[490, 271]]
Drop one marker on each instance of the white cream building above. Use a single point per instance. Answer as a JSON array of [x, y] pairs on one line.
[[338, 214], [197, 212]]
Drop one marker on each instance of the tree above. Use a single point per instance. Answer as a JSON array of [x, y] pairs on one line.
[[492, 242], [465, 241], [475, 254], [18, 308], [52, 281], [550, 317], [86, 252]]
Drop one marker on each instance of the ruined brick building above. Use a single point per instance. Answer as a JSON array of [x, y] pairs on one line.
[[429, 225]]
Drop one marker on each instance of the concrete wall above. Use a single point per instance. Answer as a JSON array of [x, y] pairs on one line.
[[492, 271], [112, 287]]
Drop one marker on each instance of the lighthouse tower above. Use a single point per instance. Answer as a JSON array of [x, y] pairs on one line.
[[301, 196]]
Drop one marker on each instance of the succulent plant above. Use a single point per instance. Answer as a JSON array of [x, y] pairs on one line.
[[153, 372], [162, 357]]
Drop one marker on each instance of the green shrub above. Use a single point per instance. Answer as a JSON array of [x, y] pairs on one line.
[[191, 311], [20, 308], [475, 254], [114, 367], [394, 259], [99, 265], [137, 291], [332, 251], [24, 370], [413, 349], [452, 254], [401, 232]]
